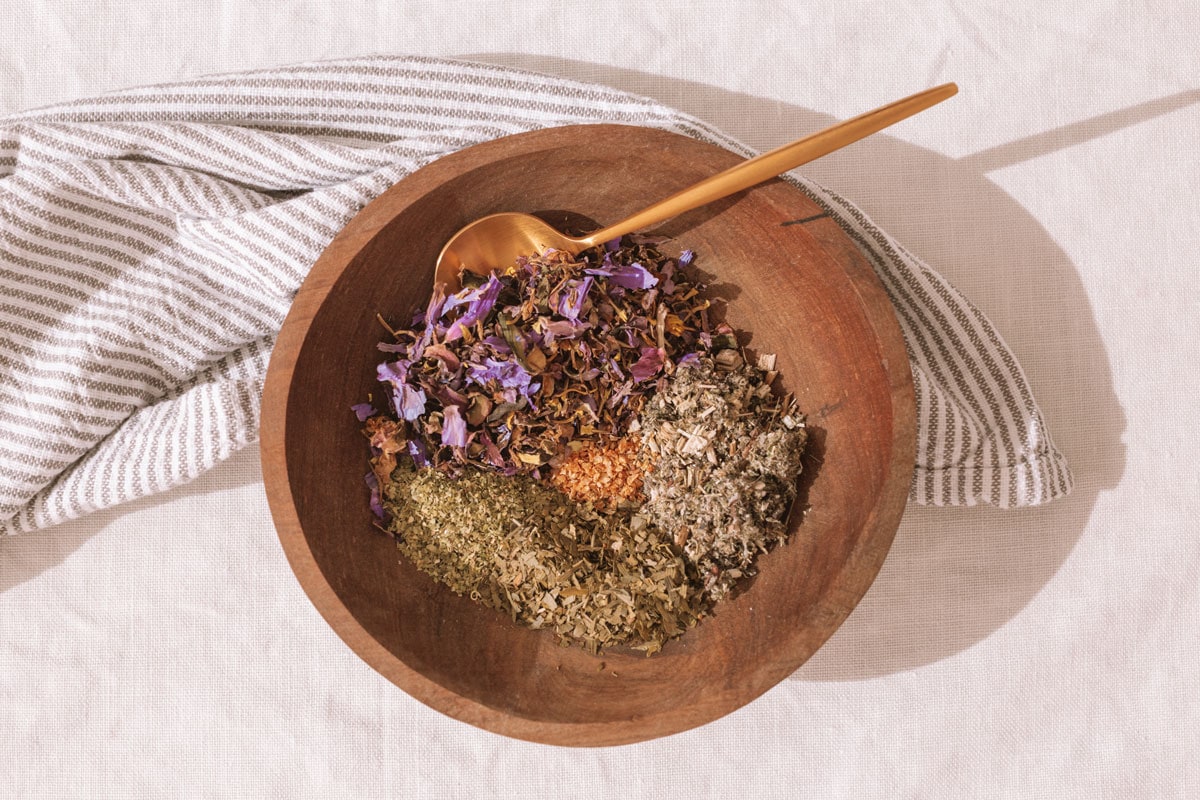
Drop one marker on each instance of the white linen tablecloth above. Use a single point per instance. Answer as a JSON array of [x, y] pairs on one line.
[[165, 649]]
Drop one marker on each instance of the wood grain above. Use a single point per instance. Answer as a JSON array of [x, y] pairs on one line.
[[794, 282]]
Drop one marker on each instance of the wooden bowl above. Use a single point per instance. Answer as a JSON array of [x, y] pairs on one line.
[[795, 283]]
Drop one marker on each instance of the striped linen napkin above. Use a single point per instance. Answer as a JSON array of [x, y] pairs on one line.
[[151, 241]]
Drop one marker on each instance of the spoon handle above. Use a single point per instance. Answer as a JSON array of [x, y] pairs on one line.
[[775, 162]]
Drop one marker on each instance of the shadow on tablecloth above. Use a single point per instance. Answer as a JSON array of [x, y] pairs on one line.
[[954, 575], [26, 556]]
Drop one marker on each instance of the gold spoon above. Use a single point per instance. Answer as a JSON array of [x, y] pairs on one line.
[[497, 240]]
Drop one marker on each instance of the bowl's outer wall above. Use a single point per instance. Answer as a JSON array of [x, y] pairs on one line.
[[793, 281]]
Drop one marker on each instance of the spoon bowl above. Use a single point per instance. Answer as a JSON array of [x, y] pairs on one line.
[[499, 239]]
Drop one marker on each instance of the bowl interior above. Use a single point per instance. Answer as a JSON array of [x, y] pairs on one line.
[[794, 283]]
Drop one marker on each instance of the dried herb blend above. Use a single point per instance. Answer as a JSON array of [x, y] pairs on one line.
[[573, 443]]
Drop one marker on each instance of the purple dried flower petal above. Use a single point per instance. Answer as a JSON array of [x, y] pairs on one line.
[[498, 344], [418, 453], [480, 302], [393, 371], [614, 368], [686, 257], [433, 312], [508, 374], [621, 395], [627, 276], [564, 329], [633, 276], [572, 297], [363, 411], [454, 427], [443, 354], [446, 395], [648, 365], [376, 500], [491, 452], [437, 301], [408, 402], [529, 339]]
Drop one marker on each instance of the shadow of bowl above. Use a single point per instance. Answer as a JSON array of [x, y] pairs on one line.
[[954, 575]]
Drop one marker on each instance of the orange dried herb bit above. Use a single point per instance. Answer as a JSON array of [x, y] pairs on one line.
[[604, 475]]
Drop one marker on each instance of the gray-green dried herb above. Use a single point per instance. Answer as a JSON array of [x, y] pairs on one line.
[[727, 453]]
